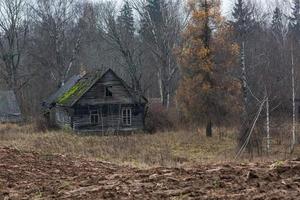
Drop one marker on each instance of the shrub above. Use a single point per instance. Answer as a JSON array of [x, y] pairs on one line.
[[159, 118], [43, 124]]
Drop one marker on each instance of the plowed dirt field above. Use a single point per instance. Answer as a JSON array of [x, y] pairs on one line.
[[27, 175]]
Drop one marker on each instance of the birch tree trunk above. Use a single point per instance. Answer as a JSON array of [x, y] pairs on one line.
[[293, 102], [160, 85], [268, 125], [245, 121], [244, 77], [164, 89]]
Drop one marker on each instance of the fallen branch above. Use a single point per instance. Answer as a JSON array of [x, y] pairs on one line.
[[252, 128]]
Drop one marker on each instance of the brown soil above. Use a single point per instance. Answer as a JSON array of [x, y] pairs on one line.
[[26, 175]]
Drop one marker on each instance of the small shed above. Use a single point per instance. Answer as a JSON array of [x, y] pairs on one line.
[[97, 102], [9, 108]]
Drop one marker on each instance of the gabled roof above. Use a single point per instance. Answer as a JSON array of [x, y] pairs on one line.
[[77, 86], [9, 104], [67, 86], [134, 94]]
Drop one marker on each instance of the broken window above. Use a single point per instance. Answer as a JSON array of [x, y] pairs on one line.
[[108, 92], [94, 117], [126, 116]]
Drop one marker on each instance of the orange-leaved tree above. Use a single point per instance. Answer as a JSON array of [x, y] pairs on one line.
[[207, 90]]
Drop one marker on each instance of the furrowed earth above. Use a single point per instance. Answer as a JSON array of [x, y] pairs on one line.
[[29, 175]]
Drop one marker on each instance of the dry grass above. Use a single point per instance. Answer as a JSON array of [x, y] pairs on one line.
[[167, 149], [161, 149]]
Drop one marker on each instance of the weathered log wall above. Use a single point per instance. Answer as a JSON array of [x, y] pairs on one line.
[[108, 120]]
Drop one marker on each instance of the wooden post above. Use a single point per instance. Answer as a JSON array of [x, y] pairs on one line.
[[101, 118], [119, 120], [209, 129]]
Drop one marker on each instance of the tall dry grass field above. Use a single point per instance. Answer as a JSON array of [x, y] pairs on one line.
[[165, 148], [160, 149]]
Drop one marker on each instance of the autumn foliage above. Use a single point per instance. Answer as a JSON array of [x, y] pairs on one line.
[[207, 91]]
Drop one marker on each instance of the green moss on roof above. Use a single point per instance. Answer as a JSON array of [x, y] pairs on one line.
[[76, 91]]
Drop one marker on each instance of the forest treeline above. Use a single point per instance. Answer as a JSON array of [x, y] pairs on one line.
[[211, 68]]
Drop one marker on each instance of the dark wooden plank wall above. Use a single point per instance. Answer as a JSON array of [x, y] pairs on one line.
[[96, 95], [111, 121], [62, 117], [10, 118]]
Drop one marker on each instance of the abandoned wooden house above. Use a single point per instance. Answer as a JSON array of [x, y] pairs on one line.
[[9, 108], [97, 102]]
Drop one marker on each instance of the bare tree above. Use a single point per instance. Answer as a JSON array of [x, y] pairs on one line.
[[58, 36], [119, 32], [160, 29], [13, 33]]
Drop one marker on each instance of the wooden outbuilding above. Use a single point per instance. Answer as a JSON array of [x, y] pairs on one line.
[[9, 108], [97, 102]]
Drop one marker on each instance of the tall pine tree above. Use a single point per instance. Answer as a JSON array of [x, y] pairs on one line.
[[277, 25], [127, 45], [120, 33], [205, 90], [126, 21], [243, 21], [153, 17], [154, 7], [295, 18]]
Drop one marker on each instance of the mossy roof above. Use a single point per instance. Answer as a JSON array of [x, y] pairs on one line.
[[78, 89], [50, 101], [77, 86]]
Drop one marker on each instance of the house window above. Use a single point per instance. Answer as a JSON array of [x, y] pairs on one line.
[[94, 117], [108, 92], [61, 116], [126, 116], [58, 116]]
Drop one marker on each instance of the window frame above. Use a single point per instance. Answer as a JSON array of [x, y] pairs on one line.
[[94, 114], [127, 116], [61, 116], [108, 91]]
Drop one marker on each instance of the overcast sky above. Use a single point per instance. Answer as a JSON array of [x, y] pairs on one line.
[[228, 4]]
